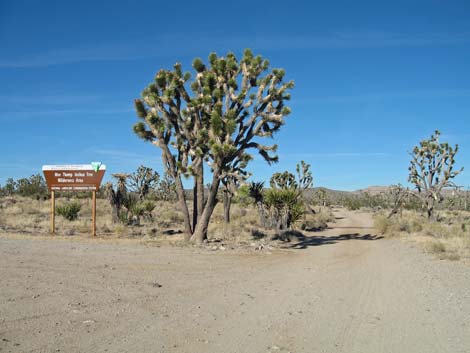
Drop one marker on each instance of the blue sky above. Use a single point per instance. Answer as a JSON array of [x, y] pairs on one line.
[[372, 79]]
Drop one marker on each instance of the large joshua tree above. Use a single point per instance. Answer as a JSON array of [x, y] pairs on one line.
[[432, 169], [214, 118]]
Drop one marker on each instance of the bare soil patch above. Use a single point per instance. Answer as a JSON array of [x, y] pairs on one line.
[[340, 290]]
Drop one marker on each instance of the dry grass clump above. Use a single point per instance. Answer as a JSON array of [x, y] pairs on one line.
[[317, 221], [447, 238], [25, 215], [243, 222]]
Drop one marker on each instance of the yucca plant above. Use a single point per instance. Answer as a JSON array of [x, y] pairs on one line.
[[284, 206]]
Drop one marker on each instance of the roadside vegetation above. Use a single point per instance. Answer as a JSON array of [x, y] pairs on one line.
[[207, 124], [439, 218]]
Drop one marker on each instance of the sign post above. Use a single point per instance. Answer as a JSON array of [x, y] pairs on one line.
[[74, 177], [52, 212], [93, 214]]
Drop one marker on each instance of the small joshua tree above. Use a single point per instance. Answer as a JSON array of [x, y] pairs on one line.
[[227, 109], [166, 189], [305, 184], [143, 181], [117, 198], [230, 185], [284, 180], [432, 169], [399, 196]]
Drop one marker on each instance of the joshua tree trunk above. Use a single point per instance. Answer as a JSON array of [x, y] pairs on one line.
[[195, 203], [227, 205], [430, 209], [200, 231], [200, 193], [168, 158], [115, 214], [198, 196], [184, 207]]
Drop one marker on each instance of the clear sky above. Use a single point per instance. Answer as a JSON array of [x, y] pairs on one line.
[[372, 79]]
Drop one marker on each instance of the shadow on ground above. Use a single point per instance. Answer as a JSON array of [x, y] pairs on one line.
[[301, 241]]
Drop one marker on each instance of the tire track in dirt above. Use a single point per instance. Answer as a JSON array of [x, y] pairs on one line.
[[343, 291]]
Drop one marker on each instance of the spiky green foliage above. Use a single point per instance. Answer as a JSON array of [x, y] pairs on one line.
[[285, 207], [256, 191], [304, 175], [218, 117], [432, 169], [284, 180]]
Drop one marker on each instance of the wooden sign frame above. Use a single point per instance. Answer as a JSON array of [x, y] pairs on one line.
[[74, 177]]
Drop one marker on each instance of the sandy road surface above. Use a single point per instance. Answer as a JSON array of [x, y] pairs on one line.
[[342, 290]]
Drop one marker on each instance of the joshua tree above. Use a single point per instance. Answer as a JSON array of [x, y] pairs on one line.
[[117, 198], [10, 187], [305, 182], [142, 181], [399, 196], [322, 196], [431, 170], [230, 106], [304, 176], [166, 190], [284, 180], [230, 185]]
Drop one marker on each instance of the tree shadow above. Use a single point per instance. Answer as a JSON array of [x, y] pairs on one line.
[[349, 227], [172, 231], [300, 241]]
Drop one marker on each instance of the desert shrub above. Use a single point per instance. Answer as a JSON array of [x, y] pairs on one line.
[[313, 224], [120, 230], [142, 209], [152, 232], [242, 195], [69, 211], [416, 225], [435, 247], [404, 225], [382, 224], [436, 230], [352, 203]]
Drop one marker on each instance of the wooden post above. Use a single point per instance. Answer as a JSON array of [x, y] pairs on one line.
[[93, 214], [52, 212]]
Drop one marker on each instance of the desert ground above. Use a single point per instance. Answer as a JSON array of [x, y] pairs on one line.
[[343, 289]]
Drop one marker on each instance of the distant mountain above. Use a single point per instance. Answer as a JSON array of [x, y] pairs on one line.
[[374, 189]]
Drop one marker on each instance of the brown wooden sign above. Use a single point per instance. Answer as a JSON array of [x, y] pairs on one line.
[[74, 177]]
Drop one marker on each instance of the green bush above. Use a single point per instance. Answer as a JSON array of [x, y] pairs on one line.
[[69, 211]]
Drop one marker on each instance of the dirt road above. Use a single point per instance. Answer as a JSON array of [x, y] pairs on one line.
[[342, 290]]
